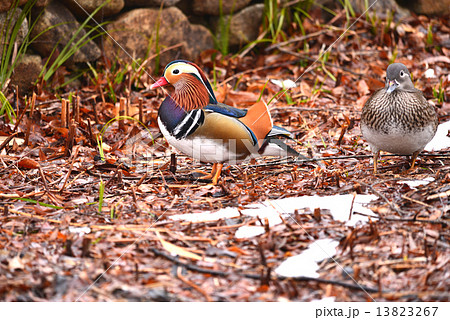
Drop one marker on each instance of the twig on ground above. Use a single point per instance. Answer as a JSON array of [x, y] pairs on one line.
[[258, 276]]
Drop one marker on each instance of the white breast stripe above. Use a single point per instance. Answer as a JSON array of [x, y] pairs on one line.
[[180, 126], [198, 114]]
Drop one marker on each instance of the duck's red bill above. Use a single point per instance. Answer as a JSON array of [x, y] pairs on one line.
[[160, 83]]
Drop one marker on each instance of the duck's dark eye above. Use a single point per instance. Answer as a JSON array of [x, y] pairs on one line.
[[402, 74], [176, 71]]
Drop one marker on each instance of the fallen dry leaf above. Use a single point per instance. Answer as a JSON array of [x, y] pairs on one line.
[[28, 163]]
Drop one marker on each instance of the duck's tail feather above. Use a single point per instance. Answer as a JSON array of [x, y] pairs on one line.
[[274, 146], [279, 131]]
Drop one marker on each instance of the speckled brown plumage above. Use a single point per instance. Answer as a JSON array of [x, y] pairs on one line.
[[398, 118]]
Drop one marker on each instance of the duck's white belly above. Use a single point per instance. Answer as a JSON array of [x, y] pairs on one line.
[[398, 141], [205, 150]]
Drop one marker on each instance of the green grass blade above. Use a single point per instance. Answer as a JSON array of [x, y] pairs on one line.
[[39, 203], [101, 192]]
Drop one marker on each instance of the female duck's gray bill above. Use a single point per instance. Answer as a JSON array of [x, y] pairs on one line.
[[392, 85]]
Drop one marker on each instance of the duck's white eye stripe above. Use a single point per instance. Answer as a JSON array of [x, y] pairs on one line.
[[185, 68]]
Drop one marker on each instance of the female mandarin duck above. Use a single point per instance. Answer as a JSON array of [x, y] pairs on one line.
[[194, 122]]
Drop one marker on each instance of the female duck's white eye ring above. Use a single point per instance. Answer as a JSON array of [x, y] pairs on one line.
[[175, 71], [402, 74]]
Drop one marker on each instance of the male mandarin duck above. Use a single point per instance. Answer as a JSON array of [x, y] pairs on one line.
[[196, 124]]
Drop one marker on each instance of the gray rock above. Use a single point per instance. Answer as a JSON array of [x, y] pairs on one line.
[[150, 3], [5, 18], [380, 6], [244, 26], [399, 7], [42, 3], [80, 7], [212, 7], [6, 4], [56, 13], [427, 7], [174, 29], [27, 72]]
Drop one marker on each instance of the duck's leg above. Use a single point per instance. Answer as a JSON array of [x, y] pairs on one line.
[[202, 174], [414, 157], [216, 171], [375, 161], [213, 174]]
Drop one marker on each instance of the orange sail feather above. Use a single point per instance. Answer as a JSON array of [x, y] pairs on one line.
[[258, 120]]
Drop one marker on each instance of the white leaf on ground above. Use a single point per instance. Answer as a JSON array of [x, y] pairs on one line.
[[207, 216], [415, 183], [249, 231], [305, 264], [80, 230], [285, 84], [440, 140], [271, 210]]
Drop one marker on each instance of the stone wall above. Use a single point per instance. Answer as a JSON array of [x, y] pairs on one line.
[[142, 28]]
